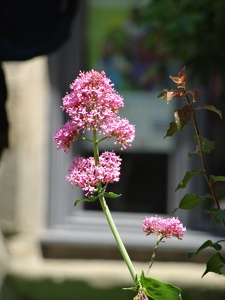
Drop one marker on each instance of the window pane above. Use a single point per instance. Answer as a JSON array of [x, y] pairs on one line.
[[143, 185]]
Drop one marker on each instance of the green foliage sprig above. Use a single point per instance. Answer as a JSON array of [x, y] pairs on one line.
[[184, 116]]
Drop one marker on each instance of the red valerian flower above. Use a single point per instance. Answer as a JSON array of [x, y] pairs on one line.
[[93, 99], [166, 227], [66, 135], [85, 173], [93, 104]]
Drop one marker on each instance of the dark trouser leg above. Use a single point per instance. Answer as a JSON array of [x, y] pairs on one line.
[[4, 125]]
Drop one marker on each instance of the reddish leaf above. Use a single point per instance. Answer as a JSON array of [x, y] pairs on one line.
[[183, 116], [181, 80], [177, 80], [170, 94], [195, 94], [163, 94], [183, 77], [182, 72], [177, 93]]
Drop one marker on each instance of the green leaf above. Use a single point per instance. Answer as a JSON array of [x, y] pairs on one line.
[[215, 264], [189, 201], [111, 195], [218, 215], [172, 129], [194, 152], [207, 145], [90, 199], [159, 290], [217, 178], [212, 108], [186, 179], [207, 244]]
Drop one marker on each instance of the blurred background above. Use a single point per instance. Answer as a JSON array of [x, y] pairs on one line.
[[48, 248]]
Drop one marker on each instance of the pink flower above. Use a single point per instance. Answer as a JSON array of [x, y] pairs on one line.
[[166, 227], [109, 167], [93, 104], [66, 135], [86, 174], [121, 129], [93, 100]]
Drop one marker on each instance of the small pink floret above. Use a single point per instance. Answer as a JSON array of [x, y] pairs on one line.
[[167, 227], [86, 174], [121, 129], [66, 135]]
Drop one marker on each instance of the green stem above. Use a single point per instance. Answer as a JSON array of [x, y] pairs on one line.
[[117, 237], [160, 237], [95, 147], [109, 216], [205, 172], [202, 157]]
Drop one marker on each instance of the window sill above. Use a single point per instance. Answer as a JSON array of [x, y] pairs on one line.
[[87, 235]]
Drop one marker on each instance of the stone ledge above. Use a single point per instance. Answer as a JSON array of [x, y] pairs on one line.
[[27, 264], [90, 243], [108, 273]]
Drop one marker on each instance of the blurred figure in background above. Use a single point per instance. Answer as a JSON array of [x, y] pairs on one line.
[[29, 29]]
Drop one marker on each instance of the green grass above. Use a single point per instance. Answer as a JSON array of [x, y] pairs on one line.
[[19, 288], [16, 288]]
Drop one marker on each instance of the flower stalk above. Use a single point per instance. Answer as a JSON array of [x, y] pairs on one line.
[[117, 237], [164, 228], [93, 105], [202, 158], [95, 147], [159, 239], [109, 217]]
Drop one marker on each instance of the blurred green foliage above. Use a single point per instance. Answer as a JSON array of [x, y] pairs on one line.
[[189, 31]]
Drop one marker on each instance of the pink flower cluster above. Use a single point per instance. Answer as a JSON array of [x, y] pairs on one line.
[[92, 104], [166, 227], [119, 128], [92, 95], [86, 174], [66, 135]]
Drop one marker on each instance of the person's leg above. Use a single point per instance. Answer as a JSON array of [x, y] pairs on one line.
[[4, 124]]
